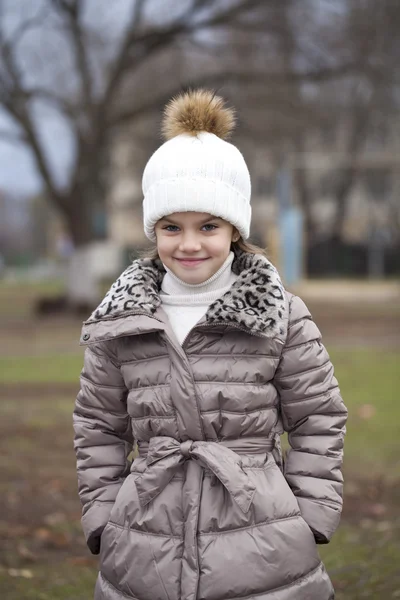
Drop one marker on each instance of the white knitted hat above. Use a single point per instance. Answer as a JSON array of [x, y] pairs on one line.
[[196, 170]]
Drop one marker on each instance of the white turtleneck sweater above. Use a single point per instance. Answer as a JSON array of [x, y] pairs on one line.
[[185, 303]]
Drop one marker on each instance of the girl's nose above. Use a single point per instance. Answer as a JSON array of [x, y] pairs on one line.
[[189, 243]]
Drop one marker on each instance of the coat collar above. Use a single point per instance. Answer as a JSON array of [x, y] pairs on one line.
[[255, 302]]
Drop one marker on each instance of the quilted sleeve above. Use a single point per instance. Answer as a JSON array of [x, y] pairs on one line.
[[103, 440], [314, 416]]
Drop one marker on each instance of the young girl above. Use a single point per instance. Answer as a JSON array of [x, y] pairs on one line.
[[201, 357]]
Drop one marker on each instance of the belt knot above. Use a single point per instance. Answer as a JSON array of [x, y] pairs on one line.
[[166, 456], [186, 448]]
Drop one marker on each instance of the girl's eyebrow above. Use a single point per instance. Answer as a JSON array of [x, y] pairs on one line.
[[210, 218]]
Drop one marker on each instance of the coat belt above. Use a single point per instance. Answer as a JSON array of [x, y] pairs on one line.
[[166, 455]]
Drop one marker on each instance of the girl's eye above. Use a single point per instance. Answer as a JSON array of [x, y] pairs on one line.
[[206, 227]]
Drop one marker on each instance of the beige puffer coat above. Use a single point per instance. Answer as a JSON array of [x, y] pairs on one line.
[[205, 512]]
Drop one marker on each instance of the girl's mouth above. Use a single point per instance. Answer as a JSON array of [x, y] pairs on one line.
[[190, 262]]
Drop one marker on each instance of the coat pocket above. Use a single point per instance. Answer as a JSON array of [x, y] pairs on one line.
[[273, 500], [283, 488], [291, 495], [115, 518], [126, 494]]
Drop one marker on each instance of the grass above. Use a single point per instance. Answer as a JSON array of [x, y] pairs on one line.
[[63, 582], [17, 298], [54, 368], [43, 555], [363, 560], [370, 381]]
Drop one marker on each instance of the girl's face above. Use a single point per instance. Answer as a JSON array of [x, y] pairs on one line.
[[194, 245]]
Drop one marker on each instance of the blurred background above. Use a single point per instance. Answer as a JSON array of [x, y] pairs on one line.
[[316, 85]]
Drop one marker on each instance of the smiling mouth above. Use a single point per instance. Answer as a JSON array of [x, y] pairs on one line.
[[191, 261]]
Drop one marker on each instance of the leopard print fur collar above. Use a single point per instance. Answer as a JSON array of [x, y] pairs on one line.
[[256, 301]]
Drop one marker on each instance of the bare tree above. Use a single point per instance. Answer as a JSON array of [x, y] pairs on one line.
[[84, 75], [73, 59], [349, 106], [317, 65]]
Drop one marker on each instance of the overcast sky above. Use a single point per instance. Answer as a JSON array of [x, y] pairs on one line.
[[18, 172]]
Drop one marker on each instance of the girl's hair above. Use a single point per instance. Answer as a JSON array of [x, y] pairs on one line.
[[241, 245]]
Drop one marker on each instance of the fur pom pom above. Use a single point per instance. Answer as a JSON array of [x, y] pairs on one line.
[[196, 111]]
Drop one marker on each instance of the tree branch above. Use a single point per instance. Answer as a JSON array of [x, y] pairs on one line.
[[25, 122], [6, 47], [120, 62], [68, 109], [73, 11], [346, 176], [141, 45], [12, 137], [15, 100], [137, 14], [247, 78]]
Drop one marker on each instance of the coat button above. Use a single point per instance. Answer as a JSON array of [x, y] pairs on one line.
[[85, 337]]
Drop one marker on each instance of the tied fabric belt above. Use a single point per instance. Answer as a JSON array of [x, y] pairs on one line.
[[166, 455]]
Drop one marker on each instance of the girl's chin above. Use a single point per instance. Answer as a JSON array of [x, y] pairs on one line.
[[192, 277], [192, 280]]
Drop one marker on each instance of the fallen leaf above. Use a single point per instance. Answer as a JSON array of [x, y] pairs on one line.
[[59, 540], [366, 411], [377, 509], [82, 561], [42, 534], [56, 485], [15, 531], [52, 539]]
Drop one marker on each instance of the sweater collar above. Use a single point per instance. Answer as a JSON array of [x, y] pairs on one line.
[[174, 289], [255, 302]]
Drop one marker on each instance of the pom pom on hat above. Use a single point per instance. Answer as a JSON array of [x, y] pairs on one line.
[[196, 111], [196, 169]]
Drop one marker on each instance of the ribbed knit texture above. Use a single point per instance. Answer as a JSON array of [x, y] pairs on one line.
[[185, 303], [197, 173]]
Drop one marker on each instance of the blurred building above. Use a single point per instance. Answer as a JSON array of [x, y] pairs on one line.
[[374, 193], [18, 239], [373, 196], [371, 203], [124, 203]]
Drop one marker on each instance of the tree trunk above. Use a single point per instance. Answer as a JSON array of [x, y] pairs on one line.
[[83, 289], [347, 176], [342, 194], [79, 222], [305, 200], [82, 283]]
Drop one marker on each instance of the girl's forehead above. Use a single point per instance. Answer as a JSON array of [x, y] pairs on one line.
[[189, 217]]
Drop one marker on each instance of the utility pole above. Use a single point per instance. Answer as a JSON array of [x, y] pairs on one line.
[[290, 225]]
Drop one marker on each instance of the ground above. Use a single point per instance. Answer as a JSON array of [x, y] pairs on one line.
[[42, 552]]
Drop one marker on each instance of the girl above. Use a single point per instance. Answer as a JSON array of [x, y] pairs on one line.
[[201, 357]]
